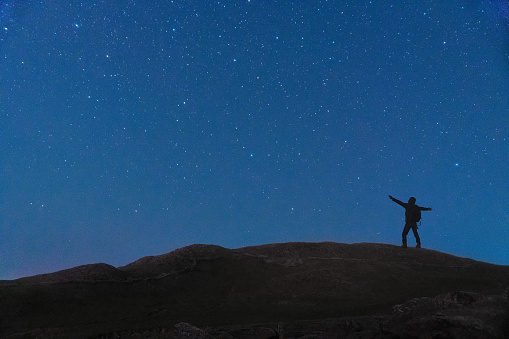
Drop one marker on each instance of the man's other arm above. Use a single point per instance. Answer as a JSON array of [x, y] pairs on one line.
[[397, 201]]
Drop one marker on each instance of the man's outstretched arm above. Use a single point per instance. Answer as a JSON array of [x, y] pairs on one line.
[[397, 201], [425, 208]]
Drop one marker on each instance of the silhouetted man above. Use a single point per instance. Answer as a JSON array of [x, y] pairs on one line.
[[412, 216]]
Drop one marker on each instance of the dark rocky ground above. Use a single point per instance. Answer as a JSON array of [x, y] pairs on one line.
[[291, 290]]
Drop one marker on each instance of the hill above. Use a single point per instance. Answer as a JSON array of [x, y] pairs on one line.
[[308, 287]]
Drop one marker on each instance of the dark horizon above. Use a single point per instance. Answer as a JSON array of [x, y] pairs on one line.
[[302, 243], [310, 287]]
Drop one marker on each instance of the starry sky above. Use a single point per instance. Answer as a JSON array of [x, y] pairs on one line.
[[132, 128]]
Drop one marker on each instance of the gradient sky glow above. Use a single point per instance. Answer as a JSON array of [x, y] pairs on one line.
[[132, 128]]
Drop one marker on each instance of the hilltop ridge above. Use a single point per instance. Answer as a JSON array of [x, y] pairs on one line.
[[208, 285], [287, 254]]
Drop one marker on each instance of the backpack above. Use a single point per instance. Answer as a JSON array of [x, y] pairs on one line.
[[415, 214]]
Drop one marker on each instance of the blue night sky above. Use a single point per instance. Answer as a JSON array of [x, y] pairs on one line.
[[132, 128]]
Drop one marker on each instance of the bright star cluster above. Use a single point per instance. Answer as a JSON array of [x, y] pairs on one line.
[[133, 128]]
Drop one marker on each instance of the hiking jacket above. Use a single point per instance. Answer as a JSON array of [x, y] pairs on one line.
[[409, 209]]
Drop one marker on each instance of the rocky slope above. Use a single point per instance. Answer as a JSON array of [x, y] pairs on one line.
[[292, 289]]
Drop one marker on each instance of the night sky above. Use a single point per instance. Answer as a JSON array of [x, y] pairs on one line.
[[133, 128]]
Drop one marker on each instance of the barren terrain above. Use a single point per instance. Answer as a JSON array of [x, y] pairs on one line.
[[293, 289]]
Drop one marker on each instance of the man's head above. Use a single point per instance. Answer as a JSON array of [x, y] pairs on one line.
[[411, 201]]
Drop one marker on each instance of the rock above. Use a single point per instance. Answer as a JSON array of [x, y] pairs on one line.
[[451, 315], [185, 330]]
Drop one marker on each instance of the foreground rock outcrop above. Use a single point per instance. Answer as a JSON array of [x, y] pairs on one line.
[[290, 290], [451, 315]]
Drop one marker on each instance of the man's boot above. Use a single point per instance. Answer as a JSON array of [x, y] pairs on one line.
[[418, 245], [404, 245]]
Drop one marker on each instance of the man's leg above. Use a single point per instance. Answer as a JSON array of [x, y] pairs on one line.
[[406, 229], [416, 235]]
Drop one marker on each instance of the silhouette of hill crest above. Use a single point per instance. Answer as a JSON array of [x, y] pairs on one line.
[[211, 286], [90, 272], [284, 254], [177, 261]]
